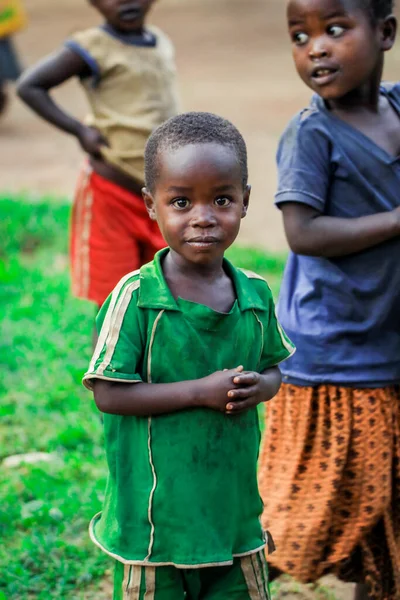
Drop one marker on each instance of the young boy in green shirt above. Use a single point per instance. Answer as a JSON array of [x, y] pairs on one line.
[[188, 347]]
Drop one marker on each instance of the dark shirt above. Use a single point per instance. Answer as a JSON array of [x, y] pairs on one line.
[[343, 314]]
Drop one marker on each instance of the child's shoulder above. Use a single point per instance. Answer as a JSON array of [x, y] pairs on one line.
[[311, 117], [125, 289], [92, 34], [308, 127], [255, 281], [158, 33]]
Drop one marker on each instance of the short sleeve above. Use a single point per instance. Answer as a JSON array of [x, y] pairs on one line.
[[277, 347], [87, 44], [303, 160], [119, 351]]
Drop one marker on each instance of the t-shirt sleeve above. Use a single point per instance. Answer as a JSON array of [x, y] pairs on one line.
[[277, 347], [119, 351], [303, 160], [87, 45]]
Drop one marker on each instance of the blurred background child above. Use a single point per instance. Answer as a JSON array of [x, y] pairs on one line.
[[127, 71]]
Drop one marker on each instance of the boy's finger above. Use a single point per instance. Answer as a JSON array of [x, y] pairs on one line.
[[241, 393], [237, 407], [247, 378]]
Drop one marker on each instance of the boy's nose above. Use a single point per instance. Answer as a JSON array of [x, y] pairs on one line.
[[203, 217], [319, 49]]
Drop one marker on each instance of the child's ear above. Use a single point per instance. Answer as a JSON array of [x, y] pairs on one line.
[[246, 200], [149, 203], [388, 29]]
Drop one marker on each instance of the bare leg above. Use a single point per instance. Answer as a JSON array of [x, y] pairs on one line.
[[361, 592]]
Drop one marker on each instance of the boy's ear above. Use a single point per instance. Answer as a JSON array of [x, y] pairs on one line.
[[388, 30], [149, 203], [246, 200]]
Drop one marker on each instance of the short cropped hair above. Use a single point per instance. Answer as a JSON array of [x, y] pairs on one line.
[[193, 128], [377, 9]]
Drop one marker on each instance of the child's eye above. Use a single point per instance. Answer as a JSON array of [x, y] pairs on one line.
[[335, 30], [223, 201], [180, 203], [300, 38]]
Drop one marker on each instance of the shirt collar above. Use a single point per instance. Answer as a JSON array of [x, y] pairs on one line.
[[133, 39], [155, 293]]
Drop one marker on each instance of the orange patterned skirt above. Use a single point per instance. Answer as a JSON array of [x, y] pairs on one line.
[[330, 480]]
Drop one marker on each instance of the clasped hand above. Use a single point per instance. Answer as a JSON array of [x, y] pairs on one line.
[[235, 390]]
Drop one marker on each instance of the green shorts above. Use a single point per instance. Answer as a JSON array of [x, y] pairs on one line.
[[245, 579]]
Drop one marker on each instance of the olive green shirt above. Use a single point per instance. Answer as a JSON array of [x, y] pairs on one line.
[[132, 90], [182, 487]]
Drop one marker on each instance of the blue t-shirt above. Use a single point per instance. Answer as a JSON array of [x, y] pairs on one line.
[[343, 314]]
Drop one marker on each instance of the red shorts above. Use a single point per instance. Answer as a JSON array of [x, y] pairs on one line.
[[111, 235]]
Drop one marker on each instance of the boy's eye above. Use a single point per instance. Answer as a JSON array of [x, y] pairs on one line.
[[300, 38], [335, 30], [223, 201], [181, 203]]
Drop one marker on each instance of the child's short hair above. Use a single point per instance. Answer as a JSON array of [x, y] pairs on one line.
[[193, 128], [377, 9]]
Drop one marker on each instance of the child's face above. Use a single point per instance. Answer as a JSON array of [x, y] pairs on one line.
[[124, 15], [336, 48], [199, 201]]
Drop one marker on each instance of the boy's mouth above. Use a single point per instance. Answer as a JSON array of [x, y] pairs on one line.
[[129, 13], [323, 75], [202, 242]]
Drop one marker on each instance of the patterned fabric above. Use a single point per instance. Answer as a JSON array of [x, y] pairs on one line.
[[330, 481], [182, 487], [111, 235], [246, 579]]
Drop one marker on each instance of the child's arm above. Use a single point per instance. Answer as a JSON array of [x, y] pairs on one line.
[[34, 86], [146, 399], [310, 233], [306, 167]]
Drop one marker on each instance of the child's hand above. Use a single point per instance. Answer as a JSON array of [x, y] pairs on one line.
[[91, 140], [251, 389], [213, 390]]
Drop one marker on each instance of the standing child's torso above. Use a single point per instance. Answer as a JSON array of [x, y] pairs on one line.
[[132, 90], [342, 313], [197, 468]]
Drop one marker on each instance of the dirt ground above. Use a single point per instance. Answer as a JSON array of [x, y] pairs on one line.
[[233, 59]]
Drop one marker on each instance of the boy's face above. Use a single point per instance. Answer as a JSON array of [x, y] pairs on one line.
[[336, 49], [124, 15], [198, 200]]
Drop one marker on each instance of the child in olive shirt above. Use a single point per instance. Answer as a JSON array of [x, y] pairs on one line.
[[126, 69], [188, 347]]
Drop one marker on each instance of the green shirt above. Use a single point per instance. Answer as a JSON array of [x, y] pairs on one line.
[[182, 487]]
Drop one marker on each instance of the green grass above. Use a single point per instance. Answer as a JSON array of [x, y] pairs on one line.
[[45, 346]]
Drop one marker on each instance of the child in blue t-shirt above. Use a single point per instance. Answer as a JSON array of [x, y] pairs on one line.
[[330, 464]]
